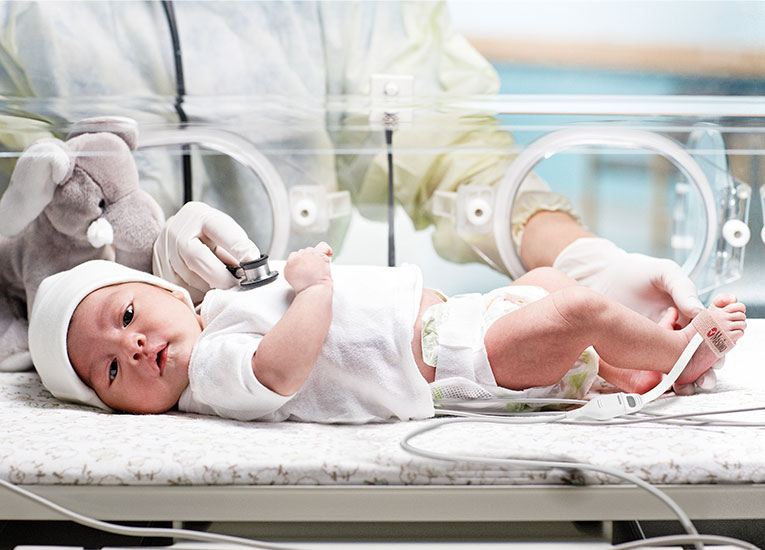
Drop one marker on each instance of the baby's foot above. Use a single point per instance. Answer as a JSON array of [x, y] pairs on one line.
[[639, 381], [630, 380], [730, 315]]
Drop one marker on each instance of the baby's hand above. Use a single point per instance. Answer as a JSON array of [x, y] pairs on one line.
[[308, 267]]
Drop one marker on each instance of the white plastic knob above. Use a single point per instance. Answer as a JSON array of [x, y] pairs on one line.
[[304, 213], [736, 233], [391, 88], [478, 211]]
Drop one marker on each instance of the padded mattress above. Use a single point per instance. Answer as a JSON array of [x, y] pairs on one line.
[[48, 442]]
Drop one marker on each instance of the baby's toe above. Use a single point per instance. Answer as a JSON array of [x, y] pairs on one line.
[[737, 329], [669, 318], [723, 299], [735, 308]]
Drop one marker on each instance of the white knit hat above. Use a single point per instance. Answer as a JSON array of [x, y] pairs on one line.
[[55, 302]]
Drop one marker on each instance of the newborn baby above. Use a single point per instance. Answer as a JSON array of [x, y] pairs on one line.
[[343, 343]]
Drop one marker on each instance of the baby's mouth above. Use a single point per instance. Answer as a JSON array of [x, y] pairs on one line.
[[162, 360]]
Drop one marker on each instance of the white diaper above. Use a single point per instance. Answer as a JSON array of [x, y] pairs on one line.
[[452, 342]]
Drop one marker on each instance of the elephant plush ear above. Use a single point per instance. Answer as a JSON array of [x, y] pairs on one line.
[[124, 127], [40, 169]]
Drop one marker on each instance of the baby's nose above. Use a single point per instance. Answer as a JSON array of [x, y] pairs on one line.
[[134, 345]]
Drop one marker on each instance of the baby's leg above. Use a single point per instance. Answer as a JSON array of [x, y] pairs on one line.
[[533, 327], [546, 277], [633, 380], [537, 344], [727, 312], [630, 380]]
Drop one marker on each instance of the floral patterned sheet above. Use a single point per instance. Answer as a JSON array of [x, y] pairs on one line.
[[45, 441]]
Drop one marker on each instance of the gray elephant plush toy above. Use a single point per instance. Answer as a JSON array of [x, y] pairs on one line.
[[69, 202]]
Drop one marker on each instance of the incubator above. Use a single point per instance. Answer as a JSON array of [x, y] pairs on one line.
[[268, 111], [660, 175]]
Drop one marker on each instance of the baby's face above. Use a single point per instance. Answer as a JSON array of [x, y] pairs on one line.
[[132, 343]]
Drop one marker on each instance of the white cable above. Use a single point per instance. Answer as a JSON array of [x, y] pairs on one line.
[[602, 408], [186, 534], [214, 537], [446, 407], [685, 539], [547, 464], [524, 400], [608, 406], [666, 418], [541, 417], [527, 418], [677, 369]]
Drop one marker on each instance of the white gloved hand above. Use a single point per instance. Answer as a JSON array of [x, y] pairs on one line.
[[643, 283], [646, 284], [196, 244]]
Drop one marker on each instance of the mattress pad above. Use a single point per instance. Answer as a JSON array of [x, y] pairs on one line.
[[45, 441]]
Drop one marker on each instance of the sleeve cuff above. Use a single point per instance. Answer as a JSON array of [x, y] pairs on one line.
[[531, 202]]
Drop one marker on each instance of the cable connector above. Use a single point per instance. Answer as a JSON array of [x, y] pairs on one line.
[[608, 406]]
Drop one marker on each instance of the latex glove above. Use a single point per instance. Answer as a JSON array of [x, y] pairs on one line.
[[196, 244], [643, 283], [646, 284]]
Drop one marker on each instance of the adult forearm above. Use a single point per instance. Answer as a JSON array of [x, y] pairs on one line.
[[288, 352], [546, 234]]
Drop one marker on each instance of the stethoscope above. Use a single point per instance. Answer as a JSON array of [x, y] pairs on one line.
[[256, 273], [180, 92], [251, 274]]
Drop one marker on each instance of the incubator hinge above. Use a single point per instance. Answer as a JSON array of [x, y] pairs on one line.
[[471, 207]]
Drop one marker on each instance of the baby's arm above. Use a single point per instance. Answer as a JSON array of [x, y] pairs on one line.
[[289, 350]]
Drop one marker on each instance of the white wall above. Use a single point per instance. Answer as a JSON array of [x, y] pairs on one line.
[[728, 24]]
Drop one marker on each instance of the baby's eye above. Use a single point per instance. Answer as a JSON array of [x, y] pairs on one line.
[[127, 316], [113, 368]]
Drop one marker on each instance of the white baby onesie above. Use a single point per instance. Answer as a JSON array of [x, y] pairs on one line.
[[365, 372]]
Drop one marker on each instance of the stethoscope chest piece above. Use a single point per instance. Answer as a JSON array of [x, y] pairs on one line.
[[255, 273]]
